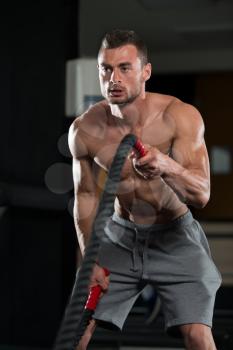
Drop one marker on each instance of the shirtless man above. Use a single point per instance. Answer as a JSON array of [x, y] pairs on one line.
[[152, 236]]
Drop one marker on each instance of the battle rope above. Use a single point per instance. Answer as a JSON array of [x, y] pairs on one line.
[[67, 337]]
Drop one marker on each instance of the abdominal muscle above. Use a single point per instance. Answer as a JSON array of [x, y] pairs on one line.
[[148, 201]]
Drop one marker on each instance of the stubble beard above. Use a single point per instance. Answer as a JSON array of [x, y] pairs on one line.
[[127, 100]]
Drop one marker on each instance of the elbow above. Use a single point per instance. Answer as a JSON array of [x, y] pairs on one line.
[[202, 195], [201, 200]]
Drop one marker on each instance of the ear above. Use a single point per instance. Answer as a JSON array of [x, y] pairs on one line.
[[147, 71]]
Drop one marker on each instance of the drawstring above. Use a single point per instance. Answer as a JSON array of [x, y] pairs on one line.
[[135, 267], [145, 251], [135, 250]]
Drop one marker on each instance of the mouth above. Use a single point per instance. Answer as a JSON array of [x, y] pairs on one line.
[[115, 92]]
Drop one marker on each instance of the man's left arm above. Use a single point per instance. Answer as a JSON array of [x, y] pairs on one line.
[[187, 171]]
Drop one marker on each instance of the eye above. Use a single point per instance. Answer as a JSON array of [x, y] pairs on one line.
[[106, 69], [125, 69]]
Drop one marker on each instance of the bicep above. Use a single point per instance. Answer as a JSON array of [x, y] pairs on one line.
[[83, 169], [84, 175], [189, 148], [85, 189]]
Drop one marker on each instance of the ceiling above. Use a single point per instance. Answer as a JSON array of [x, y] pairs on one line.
[[182, 35]]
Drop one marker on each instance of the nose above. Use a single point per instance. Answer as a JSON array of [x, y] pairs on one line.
[[115, 76]]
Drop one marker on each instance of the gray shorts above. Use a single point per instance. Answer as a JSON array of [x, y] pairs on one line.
[[174, 257]]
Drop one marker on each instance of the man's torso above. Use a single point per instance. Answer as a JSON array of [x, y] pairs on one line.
[[138, 199]]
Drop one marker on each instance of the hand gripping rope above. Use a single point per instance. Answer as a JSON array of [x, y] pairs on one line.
[[78, 312]]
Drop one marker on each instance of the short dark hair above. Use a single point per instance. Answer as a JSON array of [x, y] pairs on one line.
[[119, 37]]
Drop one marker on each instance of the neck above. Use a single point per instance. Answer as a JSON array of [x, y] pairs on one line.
[[131, 113]]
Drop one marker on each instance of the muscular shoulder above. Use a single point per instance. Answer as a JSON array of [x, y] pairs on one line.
[[86, 128], [186, 119]]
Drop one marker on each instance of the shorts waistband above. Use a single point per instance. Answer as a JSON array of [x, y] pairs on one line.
[[181, 221]]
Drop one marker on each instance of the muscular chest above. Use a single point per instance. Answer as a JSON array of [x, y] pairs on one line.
[[159, 136]]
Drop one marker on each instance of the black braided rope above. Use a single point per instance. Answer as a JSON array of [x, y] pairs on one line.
[[69, 335]]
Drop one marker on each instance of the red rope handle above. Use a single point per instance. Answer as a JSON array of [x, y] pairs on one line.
[[94, 295], [140, 148]]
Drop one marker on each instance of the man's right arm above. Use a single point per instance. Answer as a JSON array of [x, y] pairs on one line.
[[86, 197], [85, 187]]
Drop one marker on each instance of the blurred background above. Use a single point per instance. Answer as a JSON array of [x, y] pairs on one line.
[[48, 75]]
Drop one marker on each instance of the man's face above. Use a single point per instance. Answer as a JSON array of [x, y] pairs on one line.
[[121, 73]]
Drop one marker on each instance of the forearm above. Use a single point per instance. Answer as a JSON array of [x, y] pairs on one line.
[[85, 208], [190, 185]]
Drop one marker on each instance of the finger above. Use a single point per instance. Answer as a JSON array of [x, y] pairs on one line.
[[104, 285], [143, 160], [103, 282], [144, 169], [132, 154], [140, 173]]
